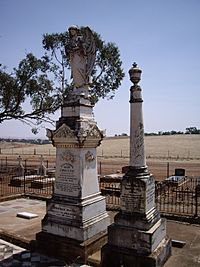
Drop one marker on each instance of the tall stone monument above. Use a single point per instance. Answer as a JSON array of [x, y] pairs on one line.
[[138, 235], [76, 220]]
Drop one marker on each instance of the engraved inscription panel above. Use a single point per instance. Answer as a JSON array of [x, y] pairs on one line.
[[137, 146], [67, 212], [67, 174], [132, 198], [150, 195], [67, 180]]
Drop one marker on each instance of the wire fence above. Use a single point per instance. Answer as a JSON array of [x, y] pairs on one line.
[[8, 163], [102, 153]]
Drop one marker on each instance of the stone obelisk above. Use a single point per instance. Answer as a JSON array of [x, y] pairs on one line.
[[138, 235], [76, 220]]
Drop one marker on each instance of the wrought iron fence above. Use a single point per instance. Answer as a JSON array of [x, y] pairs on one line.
[[183, 199], [171, 198], [110, 188], [177, 199], [12, 183]]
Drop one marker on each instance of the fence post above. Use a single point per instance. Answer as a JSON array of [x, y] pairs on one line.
[[25, 180], [100, 167], [196, 201], [167, 169]]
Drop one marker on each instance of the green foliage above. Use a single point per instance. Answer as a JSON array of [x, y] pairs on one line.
[[192, 130], [107, 73], [30, 82], [43, 81], [37, 141], [189, 130]]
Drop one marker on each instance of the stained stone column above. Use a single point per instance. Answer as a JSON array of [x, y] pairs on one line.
[[138, 235], [76, 220], [137, 153]]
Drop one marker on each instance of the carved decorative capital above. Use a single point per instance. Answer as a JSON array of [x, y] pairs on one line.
[[94, 132], [87, 135], [90, 134], [64, 132]]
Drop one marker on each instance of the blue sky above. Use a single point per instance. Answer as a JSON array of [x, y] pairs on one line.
[[163, 37]]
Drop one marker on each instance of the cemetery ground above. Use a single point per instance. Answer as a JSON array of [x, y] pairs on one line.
[[21, 232], [164, 154]]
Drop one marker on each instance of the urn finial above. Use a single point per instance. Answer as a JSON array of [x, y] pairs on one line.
[[135, 74]]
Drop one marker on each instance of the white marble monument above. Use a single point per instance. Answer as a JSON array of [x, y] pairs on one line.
[[138, 235], [76, 220]]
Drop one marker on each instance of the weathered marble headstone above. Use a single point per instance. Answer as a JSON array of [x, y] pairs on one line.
[[20, 167], [42, 170], [138, 235], [76, 221]]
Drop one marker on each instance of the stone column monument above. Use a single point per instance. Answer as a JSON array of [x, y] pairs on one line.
[[76, 220], [138, 235]]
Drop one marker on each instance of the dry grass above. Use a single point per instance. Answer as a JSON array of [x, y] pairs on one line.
[[26, 149], [174, 146], [179, 151], [156, 147]]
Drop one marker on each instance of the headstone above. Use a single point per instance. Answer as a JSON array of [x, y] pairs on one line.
[[42, 170], [76, 220], [179, 172], [20, 167], [138, 235]]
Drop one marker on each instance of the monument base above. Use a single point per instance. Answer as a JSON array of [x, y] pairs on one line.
[[70, 250], [143, 242], [76, 219], [116, 256]]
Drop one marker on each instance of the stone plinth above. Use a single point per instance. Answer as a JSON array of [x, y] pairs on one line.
[[76, 214], [21, 180], [117, 256], [43, 183], [70, 249], [80, 221], [138, 235]]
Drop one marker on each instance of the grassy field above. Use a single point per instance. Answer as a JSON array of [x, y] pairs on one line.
[[180, 151], [174, 146]]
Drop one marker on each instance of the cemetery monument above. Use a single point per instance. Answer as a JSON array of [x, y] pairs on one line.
[[76, 220], [138, 235]]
